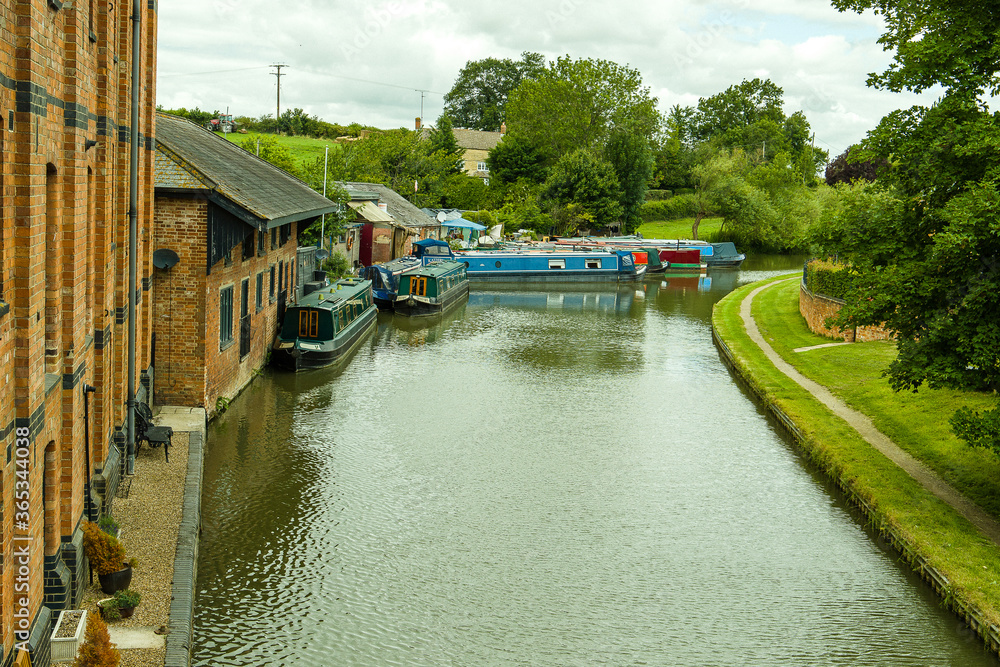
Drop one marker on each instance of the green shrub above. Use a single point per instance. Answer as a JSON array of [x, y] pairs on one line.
[[336, 266], [658, 195], [681, 206], [829, 279]]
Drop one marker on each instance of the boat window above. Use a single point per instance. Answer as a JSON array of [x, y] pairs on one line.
[[498, 264], [308, 323], [342, 316], [418, 286], [557, 263], [593, 263]]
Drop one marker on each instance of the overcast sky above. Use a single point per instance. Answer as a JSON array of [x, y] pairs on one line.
[[353, 61]]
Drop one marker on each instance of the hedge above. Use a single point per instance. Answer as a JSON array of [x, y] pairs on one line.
[[675, 208], [829, 279]]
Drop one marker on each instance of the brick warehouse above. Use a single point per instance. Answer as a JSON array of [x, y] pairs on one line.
[[229, 223], [65, 126]]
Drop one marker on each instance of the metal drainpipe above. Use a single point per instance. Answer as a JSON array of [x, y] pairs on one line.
[[133, 223], [87, 389]]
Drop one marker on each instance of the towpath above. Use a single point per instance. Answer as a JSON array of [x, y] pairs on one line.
[[989, 526]]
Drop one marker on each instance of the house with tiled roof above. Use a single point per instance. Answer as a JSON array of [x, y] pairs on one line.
[[476, 146], [225, 240]]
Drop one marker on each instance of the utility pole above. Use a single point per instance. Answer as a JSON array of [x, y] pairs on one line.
[[279, 75]]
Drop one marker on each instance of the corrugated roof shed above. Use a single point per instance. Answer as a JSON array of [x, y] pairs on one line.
[[403, 211], [189, 157]]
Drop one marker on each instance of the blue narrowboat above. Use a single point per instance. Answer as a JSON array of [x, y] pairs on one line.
[[325, 325], [385, 279], [552, 265], [432, 289]]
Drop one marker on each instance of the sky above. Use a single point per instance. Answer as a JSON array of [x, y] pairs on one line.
[[385, 63]]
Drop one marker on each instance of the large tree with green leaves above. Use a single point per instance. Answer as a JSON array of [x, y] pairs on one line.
[[479, 97], [575, 104], [583, 189], [933, 278]]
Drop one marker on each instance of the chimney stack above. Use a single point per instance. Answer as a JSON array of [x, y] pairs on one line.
[[417, 122], [503, 128]]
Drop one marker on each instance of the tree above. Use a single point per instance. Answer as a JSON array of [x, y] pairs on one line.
[[846, 168], [478, 99], [632, 159], [934, 278], [583, 186], [442, 140], [577, 104], [728, 113], [96, 650]]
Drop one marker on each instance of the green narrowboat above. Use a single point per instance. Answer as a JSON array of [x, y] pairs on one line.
[[432, 289], [325, 325]]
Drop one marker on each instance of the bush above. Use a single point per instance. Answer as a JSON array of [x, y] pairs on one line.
[[829, 278], [658, 195], [675, 208], [96, 650], [127, 598], [105, 553], [336, 266]]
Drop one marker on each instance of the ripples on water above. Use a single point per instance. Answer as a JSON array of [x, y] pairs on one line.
[[551, 479]]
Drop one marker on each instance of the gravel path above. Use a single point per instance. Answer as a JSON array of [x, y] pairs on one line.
[[149, 518], [864, 426]]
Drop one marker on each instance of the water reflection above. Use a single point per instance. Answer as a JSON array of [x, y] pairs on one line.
[[561, 479]]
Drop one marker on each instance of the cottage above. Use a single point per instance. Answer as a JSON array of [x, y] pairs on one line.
[[226, 227]]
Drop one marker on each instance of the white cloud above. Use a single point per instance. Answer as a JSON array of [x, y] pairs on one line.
[[355, 61]]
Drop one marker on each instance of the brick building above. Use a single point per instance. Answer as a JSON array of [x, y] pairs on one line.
[[385, 225], [231, 221], [65, 129]]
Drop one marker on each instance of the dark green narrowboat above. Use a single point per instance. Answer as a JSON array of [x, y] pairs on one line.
[[432, 289], [324, 326]]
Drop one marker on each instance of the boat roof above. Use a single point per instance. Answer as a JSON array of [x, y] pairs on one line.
[[330, 297], [435, 269]]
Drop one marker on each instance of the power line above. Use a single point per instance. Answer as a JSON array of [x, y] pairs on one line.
[[216, 71]]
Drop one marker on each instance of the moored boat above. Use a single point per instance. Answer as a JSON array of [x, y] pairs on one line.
[[325, 325], [432, 288], [552, 265], [385, 279]]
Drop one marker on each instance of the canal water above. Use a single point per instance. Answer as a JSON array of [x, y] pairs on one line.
[[562, 477]]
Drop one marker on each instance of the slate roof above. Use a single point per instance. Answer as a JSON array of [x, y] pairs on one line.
[[189, 157], [470, 139], [403, 211]]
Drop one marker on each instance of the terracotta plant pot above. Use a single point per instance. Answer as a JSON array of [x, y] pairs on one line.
[[116, 581]]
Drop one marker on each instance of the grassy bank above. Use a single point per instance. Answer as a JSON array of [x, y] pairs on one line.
[[897, 503], [679, 229], [304, 150]]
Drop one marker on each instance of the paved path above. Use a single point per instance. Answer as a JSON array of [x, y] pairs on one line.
[[864, 426]]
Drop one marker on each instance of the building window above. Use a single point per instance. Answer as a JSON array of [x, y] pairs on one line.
[[271, 293], [248, 249], [260, 291], [225, 316], [274, 238], [261, 243], [483, 167]]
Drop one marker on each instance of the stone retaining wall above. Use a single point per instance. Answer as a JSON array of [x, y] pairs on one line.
[[816, 308]]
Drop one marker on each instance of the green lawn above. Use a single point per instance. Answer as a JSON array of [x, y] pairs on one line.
[[304, 150], [917, 423], [679, 229]]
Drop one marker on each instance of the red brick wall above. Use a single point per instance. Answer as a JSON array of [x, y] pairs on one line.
[[63, 253], [181, 225], [192, 369], [816, 308]]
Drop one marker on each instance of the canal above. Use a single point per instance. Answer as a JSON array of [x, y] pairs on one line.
[[568, 477]]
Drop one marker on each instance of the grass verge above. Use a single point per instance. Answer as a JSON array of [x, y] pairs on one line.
[[897, 505], [679, 229]]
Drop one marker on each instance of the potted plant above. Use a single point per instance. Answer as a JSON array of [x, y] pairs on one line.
[[108, 608], [127, 600], [97, 650], [109, 525], [107, 557]]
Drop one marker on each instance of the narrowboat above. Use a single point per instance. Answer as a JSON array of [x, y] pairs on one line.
[[325, 325], [432, 289], [552, 265], [385, 279]]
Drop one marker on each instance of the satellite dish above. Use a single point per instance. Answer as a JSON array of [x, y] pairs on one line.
[[322, 254], [164, 258]]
